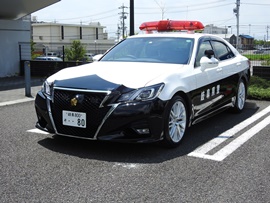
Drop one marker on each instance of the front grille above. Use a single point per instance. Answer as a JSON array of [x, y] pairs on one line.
[[89, 105]]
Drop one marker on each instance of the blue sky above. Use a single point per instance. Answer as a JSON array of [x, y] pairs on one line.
[[254, 15]]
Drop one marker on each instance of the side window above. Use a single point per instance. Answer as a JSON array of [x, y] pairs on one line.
[[202, 47], [222, 51]]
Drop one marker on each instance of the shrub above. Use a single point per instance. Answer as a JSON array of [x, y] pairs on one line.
[[259, 88]]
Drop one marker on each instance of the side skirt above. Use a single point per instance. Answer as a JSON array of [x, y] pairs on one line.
[[212, 113]]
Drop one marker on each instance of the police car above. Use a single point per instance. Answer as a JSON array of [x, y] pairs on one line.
[[147, 88]]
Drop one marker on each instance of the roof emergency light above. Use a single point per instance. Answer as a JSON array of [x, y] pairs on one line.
[[171, 25]]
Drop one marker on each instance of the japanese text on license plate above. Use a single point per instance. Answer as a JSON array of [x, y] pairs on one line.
[[75, 119]]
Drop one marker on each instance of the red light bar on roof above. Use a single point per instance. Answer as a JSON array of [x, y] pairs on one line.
[[170, 25]]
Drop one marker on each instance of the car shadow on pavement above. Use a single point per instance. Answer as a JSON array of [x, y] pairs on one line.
[[196, 136]]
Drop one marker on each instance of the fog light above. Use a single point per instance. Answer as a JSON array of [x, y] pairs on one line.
[[143, 131]]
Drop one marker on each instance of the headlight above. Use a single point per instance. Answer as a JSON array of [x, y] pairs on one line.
[[47, 88], [143, 94]]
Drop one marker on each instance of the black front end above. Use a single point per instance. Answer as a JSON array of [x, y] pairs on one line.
[[105, 119]]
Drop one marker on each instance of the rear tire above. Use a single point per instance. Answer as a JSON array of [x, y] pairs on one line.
[[241, 97], [175, 121]]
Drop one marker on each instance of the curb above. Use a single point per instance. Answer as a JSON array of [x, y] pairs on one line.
[[17, 101]]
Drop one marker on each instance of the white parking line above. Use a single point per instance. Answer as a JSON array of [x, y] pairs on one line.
[[35, 130], [202, 151]]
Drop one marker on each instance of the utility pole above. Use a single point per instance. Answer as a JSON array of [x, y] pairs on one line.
[[236, 11], [123, 17], [131, 13], [118, 32], [162, 8], [267, 27]]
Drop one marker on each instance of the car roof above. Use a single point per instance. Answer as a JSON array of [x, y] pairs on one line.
[[174, 34]]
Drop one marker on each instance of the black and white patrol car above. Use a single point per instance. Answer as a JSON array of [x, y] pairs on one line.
[[147, 88]]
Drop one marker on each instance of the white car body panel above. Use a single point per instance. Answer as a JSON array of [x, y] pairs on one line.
[[129, 74]]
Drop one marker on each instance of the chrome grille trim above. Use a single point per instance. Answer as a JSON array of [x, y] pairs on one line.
[[104, 119], [83, 90], [50, 114], [111, 109]]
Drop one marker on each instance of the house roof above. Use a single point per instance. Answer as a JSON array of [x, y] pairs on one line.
[[246, 36], [15, 9]]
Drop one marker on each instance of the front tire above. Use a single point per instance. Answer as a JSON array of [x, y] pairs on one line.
[[176, 119], [241, 97]]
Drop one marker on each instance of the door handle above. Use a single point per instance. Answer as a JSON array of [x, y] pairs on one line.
[[219, 69]]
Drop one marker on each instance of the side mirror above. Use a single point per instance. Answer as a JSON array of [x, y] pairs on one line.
[[209, 53], [206, 63]]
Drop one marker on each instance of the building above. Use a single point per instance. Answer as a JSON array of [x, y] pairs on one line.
[[221, 32], [55, 37], [229, 38], [247, 42], [211, 29], [15, 33]]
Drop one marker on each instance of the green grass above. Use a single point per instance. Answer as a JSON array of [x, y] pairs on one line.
[[265, 58], [259, 88], [258, 57]]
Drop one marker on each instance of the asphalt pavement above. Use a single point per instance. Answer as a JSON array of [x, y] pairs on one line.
[[13, 89]]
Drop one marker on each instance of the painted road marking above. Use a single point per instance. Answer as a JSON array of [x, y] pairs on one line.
[[202, 151], [37, 131]]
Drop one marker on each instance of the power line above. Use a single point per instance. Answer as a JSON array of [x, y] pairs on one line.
[[189, 5], [81, 17], [256, 4], [183, 11]]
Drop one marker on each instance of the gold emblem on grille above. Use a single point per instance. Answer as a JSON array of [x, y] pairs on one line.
[[74, 101]]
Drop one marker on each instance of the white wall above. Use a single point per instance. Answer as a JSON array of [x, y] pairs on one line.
[[49, 34], [12, 34]]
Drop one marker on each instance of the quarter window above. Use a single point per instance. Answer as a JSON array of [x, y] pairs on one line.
[[203, 46]]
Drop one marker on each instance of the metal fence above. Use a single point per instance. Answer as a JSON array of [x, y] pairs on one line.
[[55, 50], [259, 58], [59, 50], [47, 68], [260, 62]]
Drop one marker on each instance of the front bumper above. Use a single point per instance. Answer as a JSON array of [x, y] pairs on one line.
[[122, 122]]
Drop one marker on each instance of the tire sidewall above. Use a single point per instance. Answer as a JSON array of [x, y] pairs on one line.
[[237, 109], [167, 138]]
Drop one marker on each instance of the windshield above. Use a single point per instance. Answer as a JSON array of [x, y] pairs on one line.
[[152, 49]]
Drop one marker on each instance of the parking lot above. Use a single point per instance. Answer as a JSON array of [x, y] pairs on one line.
[[224, 159]]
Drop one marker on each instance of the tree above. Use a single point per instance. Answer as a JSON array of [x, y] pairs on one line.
[[76, 52], [34, 52], [261, 43]]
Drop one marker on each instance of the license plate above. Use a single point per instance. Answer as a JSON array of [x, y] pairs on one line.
[[74, 119]]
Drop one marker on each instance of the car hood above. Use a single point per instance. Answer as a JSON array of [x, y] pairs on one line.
[[111, 75]]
